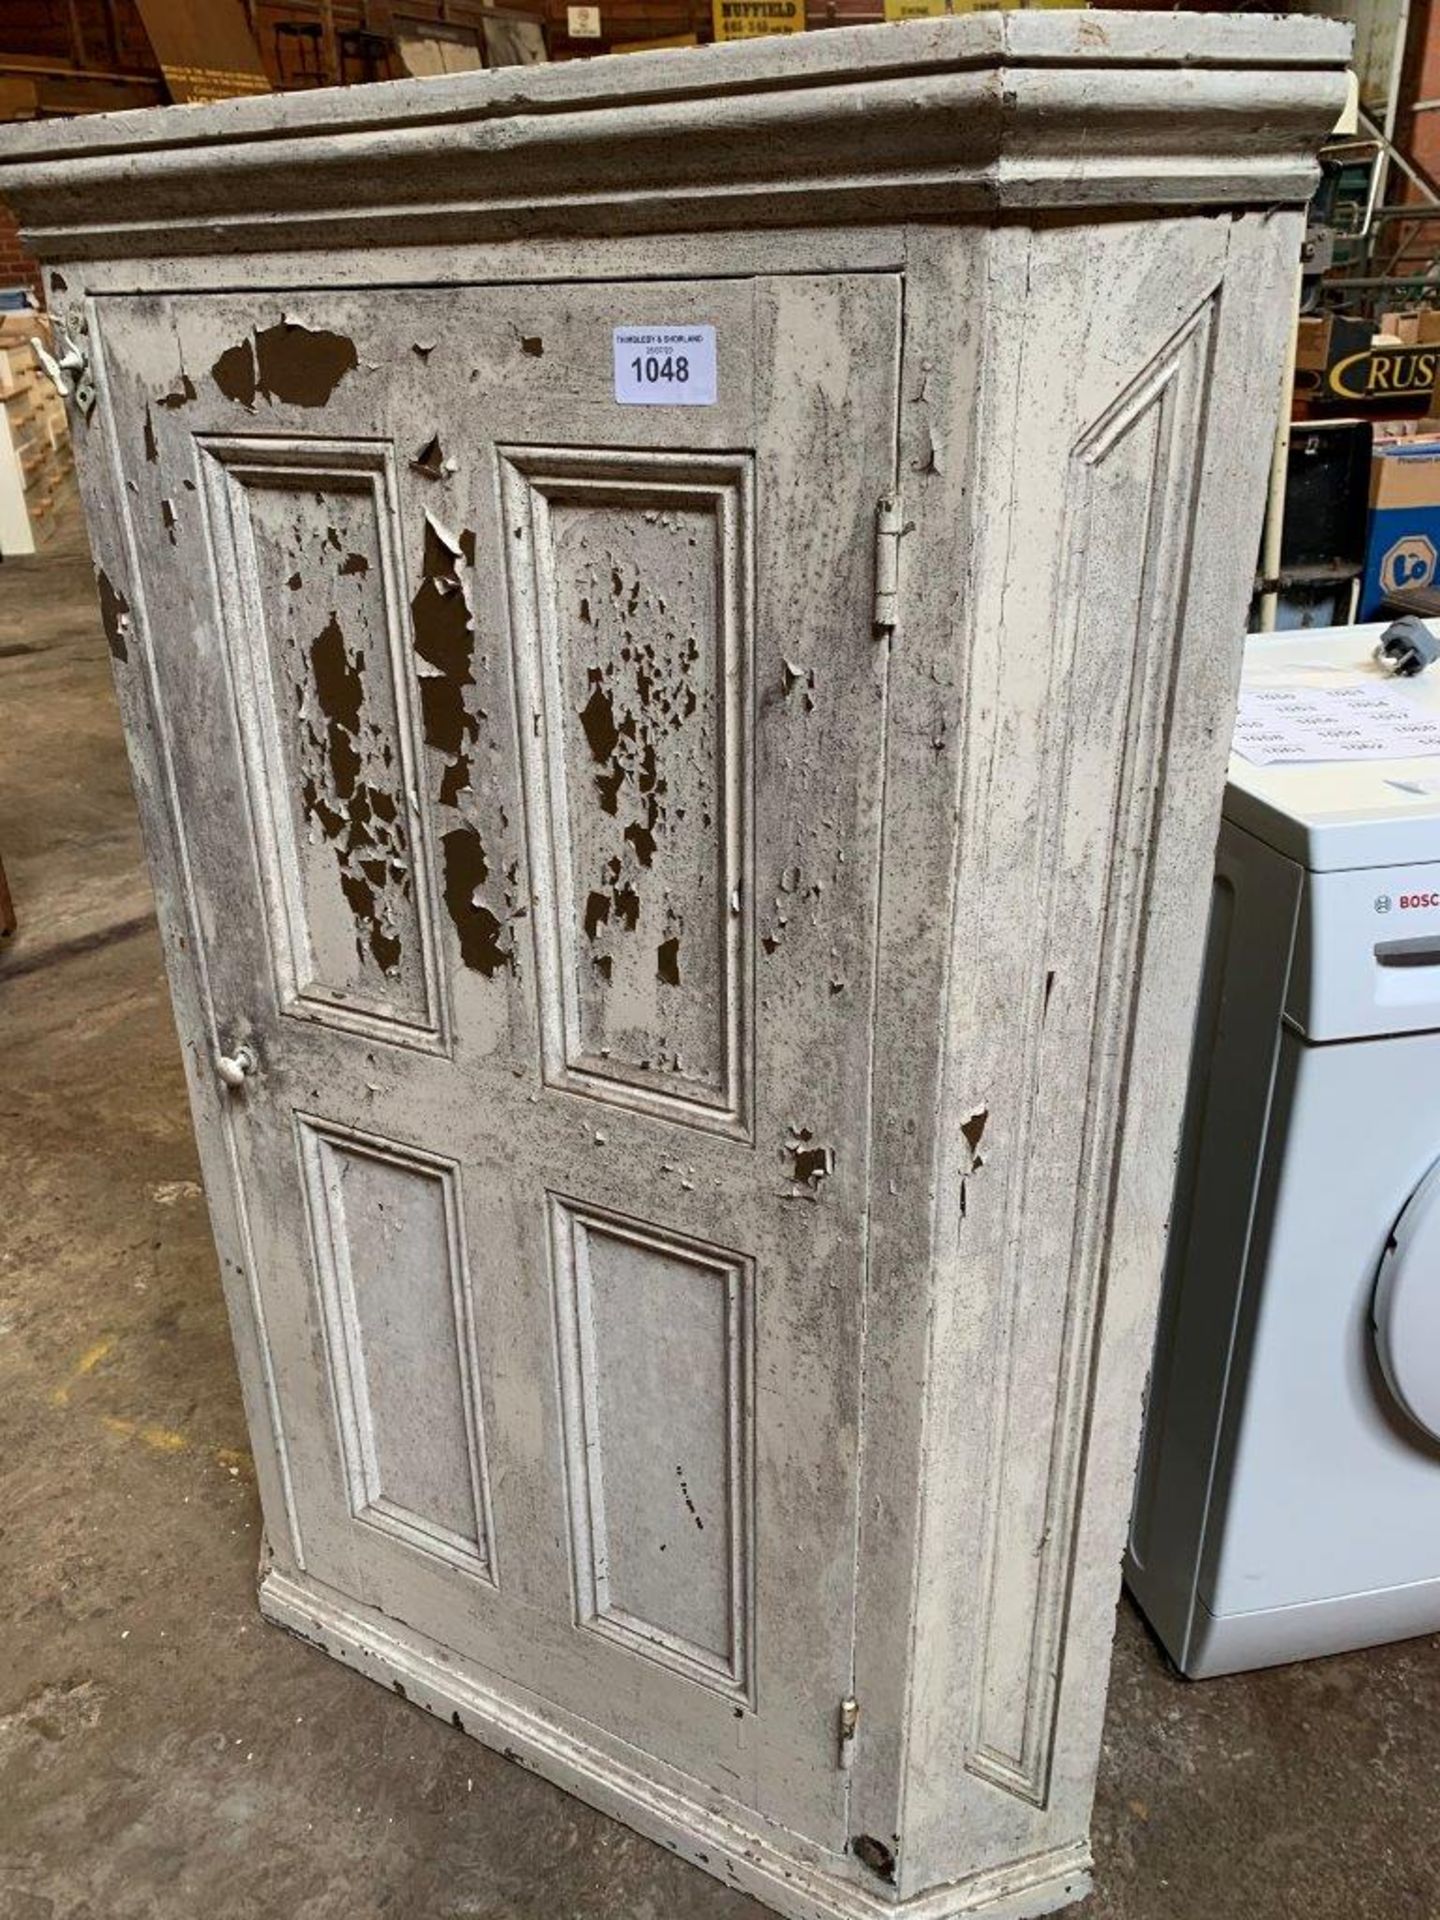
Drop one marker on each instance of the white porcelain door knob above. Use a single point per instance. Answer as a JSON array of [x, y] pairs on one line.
[[235, 1068]]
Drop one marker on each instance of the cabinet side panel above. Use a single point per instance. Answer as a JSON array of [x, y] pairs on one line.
[[1131, 499], [1253, 320], [1101, 659]]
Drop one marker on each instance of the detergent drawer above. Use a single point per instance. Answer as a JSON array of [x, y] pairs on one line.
[[1367, 953]]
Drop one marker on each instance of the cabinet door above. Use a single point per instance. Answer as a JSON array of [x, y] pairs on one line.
[[527, 750]]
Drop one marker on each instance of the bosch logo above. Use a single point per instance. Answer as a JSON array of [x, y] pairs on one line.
[[1420, 900], [1383, 903]]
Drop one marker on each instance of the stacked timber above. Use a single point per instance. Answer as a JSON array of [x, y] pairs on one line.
[[36, 467]]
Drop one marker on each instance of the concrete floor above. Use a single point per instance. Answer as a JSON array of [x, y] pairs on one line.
[[164, 1754]]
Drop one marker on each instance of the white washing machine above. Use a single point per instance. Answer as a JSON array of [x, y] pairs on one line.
[[1288, 1502]]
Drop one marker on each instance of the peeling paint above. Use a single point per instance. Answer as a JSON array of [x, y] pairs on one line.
[[114, 615], [359, 818], [234, 374], [430, 460], [973, 1127], [810, 1163], [486, 944], [690, 1507], [302, 366], [440, 616], [792, 676], [444, 638], [327, 637], [296, 365], [932, 460], [639, 698], [338, 684], [875, 1855], [180, 395], [597, 717]]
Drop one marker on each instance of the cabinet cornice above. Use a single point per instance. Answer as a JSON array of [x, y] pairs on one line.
[[987, 114]]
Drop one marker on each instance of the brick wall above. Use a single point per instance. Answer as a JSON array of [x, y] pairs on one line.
[[15, 264]]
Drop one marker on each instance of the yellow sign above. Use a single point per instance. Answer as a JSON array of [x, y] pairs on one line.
[[752, 19], [187, 84], [927, 9]]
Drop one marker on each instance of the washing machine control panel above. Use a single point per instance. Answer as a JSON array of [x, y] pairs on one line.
[[1367, 953]]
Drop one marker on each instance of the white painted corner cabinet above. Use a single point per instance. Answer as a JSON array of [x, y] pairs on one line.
[[677, 618]]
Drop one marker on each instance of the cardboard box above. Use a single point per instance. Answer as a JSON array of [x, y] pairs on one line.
[[1402, 547], [17, 327], [1312, 345], [1419, 327], [1321, 339]]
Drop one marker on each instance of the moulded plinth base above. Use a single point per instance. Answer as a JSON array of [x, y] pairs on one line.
[[414, 1667]]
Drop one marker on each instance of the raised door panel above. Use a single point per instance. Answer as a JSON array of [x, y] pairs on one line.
[[393, 1281], [657, 1362], [630, 579], [305, 546]]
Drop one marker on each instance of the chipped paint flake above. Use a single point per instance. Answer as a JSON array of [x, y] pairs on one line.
[[289, 363], [487, 944], [430, 460], [810, 1162], [645, 708], [453, 719], [973, 1128], [114, 616], [180, 395], [330, 649]]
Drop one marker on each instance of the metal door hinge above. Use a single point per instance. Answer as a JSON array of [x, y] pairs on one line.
[[889, 531], [849, 1721], [69, 364]]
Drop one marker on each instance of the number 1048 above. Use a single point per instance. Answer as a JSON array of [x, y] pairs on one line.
[[651, 369]]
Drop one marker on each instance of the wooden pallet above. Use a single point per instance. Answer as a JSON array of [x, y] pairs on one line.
[[36, 462]]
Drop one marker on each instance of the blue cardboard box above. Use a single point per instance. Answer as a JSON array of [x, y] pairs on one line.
[[1402, 548]]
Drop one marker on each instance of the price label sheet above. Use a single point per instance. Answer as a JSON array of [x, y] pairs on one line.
[[1282, 723]]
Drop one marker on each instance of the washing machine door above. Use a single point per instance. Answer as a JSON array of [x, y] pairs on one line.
[[1407, 1306]]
